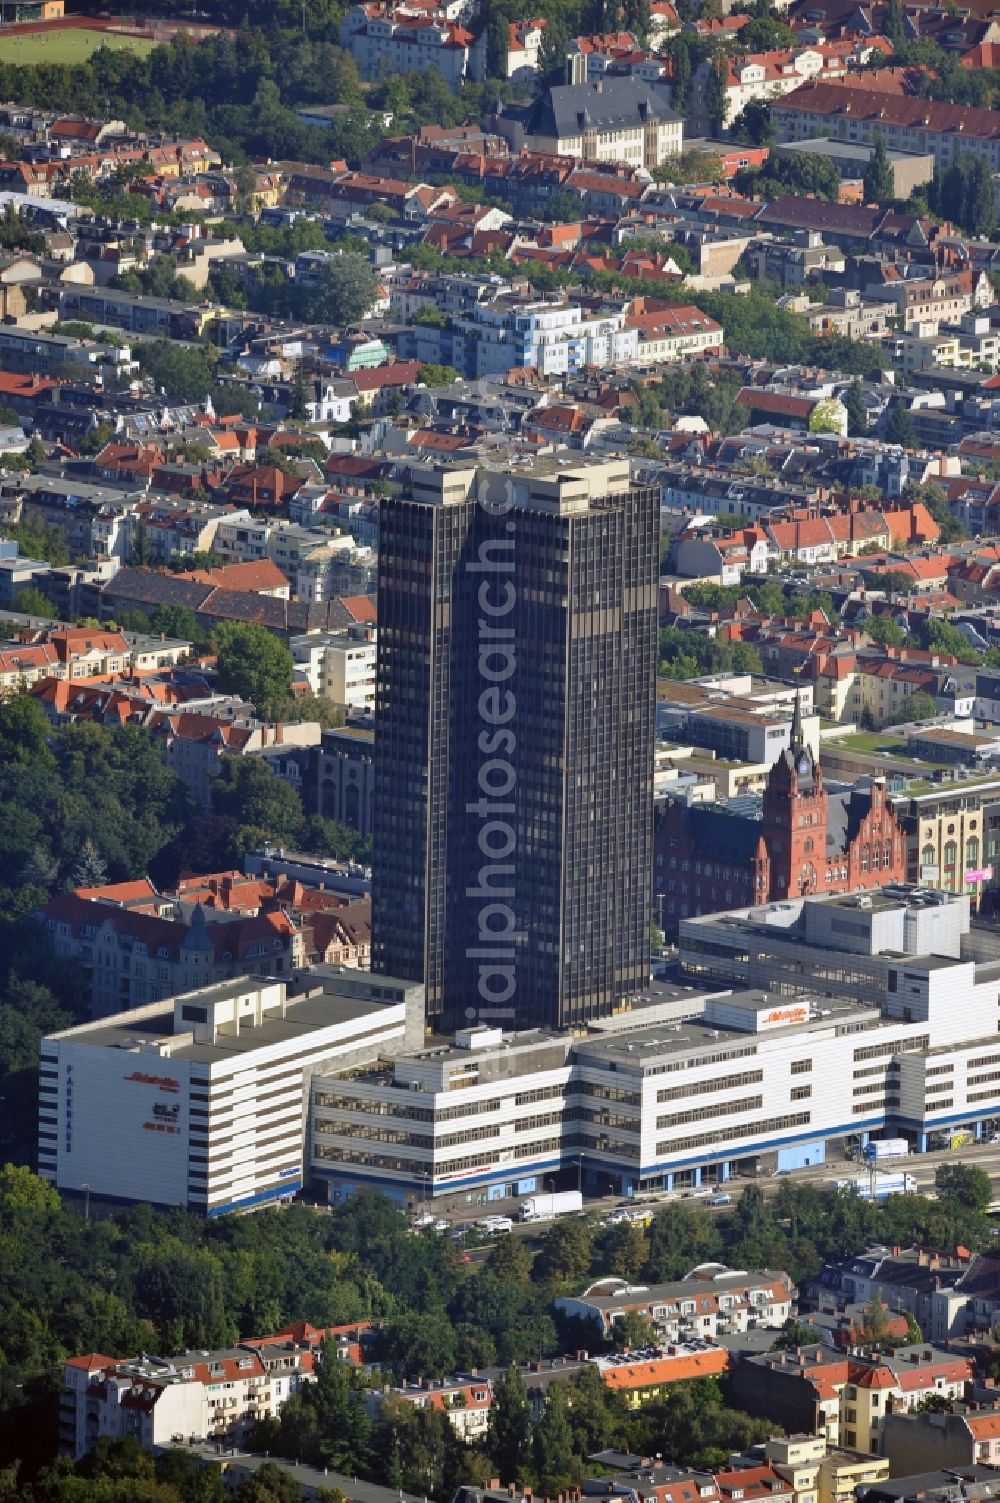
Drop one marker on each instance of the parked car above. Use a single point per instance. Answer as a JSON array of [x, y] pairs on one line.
[[492, 1224], [720, 1200]]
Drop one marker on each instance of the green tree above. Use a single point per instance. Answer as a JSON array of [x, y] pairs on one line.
[[979, 207], [565, 1253], [90, 870], [857, 411], [875, 1325], [437, 375], [556, 1465], [793, 1333], [178, 622], [715, 101], [511, 1259], [508, 1437], [825, 418], [879, 180], [963, 1186], [919, 706], [183, 372], [30, 601], [420, 1344], [680, 1238], [633, 1332], [22, 1190], [39, 540], [753, 123], [264, 805], [884, 631], [621, 1249], [563, 207], [681, 81], [899, 427], [344, 290], [254, 664], [746, 658], [180, 1289]]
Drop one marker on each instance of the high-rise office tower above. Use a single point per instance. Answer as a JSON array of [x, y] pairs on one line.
[[515, 707]]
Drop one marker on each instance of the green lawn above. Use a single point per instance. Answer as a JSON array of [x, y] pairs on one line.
[[65, 45], [869, 741]]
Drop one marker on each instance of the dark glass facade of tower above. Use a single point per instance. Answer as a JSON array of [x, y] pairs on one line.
[[515, 709]]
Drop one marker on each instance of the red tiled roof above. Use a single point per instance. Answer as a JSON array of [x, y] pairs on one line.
[[867, 104], [402, 373]]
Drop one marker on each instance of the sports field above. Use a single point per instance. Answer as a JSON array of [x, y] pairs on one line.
[[69, 44]]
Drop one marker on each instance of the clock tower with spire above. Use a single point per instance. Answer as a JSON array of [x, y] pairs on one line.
[[794, 823]]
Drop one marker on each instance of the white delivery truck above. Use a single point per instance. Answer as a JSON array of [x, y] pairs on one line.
[[544, 1207], [885, 1185], [886, 1148]]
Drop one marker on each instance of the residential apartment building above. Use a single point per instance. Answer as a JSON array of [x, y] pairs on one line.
[[924, 303], [466, 1402], [383, 38], [670, 332], [67, 654], [846, 1399], [905, 123], [821, 1473], [765, 76], [710, 1301], [206, 1396], [550, 335], [561, 561], [969, 344], [165, 529], [952, 834], [132, 952], [949, 1295], [926, 1441], [208, 1091], [195, 744], [339, 666]]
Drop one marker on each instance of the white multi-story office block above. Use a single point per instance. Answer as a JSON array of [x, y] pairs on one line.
[[200, 1100], [868, 1021], [488, 1108]]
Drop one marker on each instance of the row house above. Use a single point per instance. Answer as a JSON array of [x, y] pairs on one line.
[[132, 958], [206, 1396], [164, 530], [929, 1441], [386, 39], [68, 654], [905, 123], [771, 75], [712, 1300], [669, 332], [816, 1391], [924, 303], [466, 1402]]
